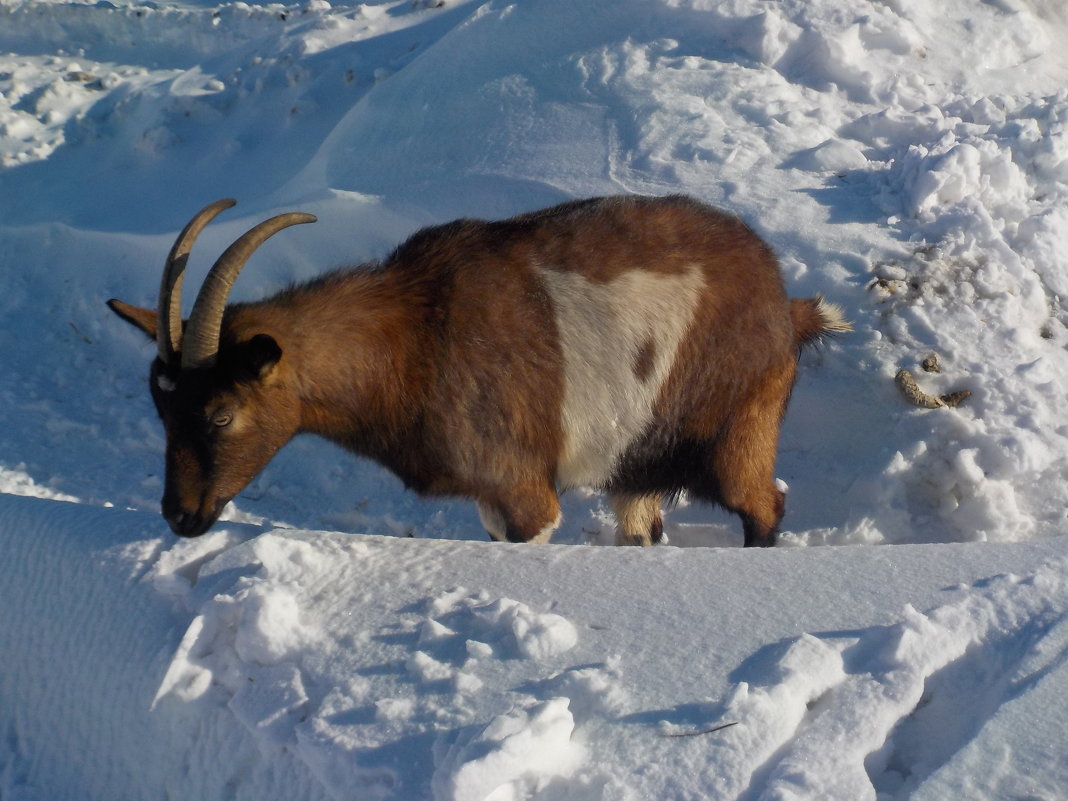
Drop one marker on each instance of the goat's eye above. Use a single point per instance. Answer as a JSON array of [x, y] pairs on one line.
[[222, 419]]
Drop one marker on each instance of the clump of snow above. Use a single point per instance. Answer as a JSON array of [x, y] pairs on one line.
[[512, 625], [17, 482], [271, 704], [593, 690], [510, 758]]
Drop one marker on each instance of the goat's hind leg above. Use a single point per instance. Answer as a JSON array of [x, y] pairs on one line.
[[743, 461], [638, 519]]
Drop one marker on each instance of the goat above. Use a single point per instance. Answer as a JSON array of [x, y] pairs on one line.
[[644, 346]]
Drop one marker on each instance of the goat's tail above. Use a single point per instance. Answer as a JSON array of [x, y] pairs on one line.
[[814, 318]]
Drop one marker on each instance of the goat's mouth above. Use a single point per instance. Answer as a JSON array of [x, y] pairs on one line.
[[186, 523]]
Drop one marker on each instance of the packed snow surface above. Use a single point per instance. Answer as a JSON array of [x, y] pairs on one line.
[[908, 160]]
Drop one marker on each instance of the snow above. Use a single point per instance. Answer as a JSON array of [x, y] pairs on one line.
[[253, 664], [336, 637]]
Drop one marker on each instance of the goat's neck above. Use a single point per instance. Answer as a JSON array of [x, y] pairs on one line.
[[351, 353]]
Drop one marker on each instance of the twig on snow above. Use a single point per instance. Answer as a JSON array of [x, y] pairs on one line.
[[699, 733]]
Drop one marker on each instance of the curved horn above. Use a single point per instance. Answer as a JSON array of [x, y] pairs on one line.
[[205, 322], [169, 307]]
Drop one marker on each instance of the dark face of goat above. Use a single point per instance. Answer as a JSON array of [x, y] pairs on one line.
[[223, 425], [225, 406]]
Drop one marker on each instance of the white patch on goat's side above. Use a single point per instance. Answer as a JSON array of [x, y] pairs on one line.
[[604, 331], [165, 384]]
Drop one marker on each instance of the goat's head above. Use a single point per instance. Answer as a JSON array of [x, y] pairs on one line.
[[220, 394]]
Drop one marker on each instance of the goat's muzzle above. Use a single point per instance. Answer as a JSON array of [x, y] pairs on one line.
[[192, 523]]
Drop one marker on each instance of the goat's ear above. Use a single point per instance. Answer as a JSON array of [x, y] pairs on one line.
[[145, 319], [258, 356]]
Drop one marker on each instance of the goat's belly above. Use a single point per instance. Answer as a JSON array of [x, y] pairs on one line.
[[590, 461]]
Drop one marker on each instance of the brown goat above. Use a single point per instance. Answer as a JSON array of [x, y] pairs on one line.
[[644, 346]]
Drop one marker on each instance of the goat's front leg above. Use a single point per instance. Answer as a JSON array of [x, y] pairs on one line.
[[528, 513]]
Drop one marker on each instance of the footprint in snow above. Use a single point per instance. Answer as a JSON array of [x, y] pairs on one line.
[[874, 715]]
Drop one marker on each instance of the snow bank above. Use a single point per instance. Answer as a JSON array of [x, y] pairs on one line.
[[316, 665]]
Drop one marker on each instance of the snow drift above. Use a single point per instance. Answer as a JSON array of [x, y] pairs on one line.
[[313, 665]]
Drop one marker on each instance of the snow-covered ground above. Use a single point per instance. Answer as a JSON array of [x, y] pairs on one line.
[[907, 159]]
